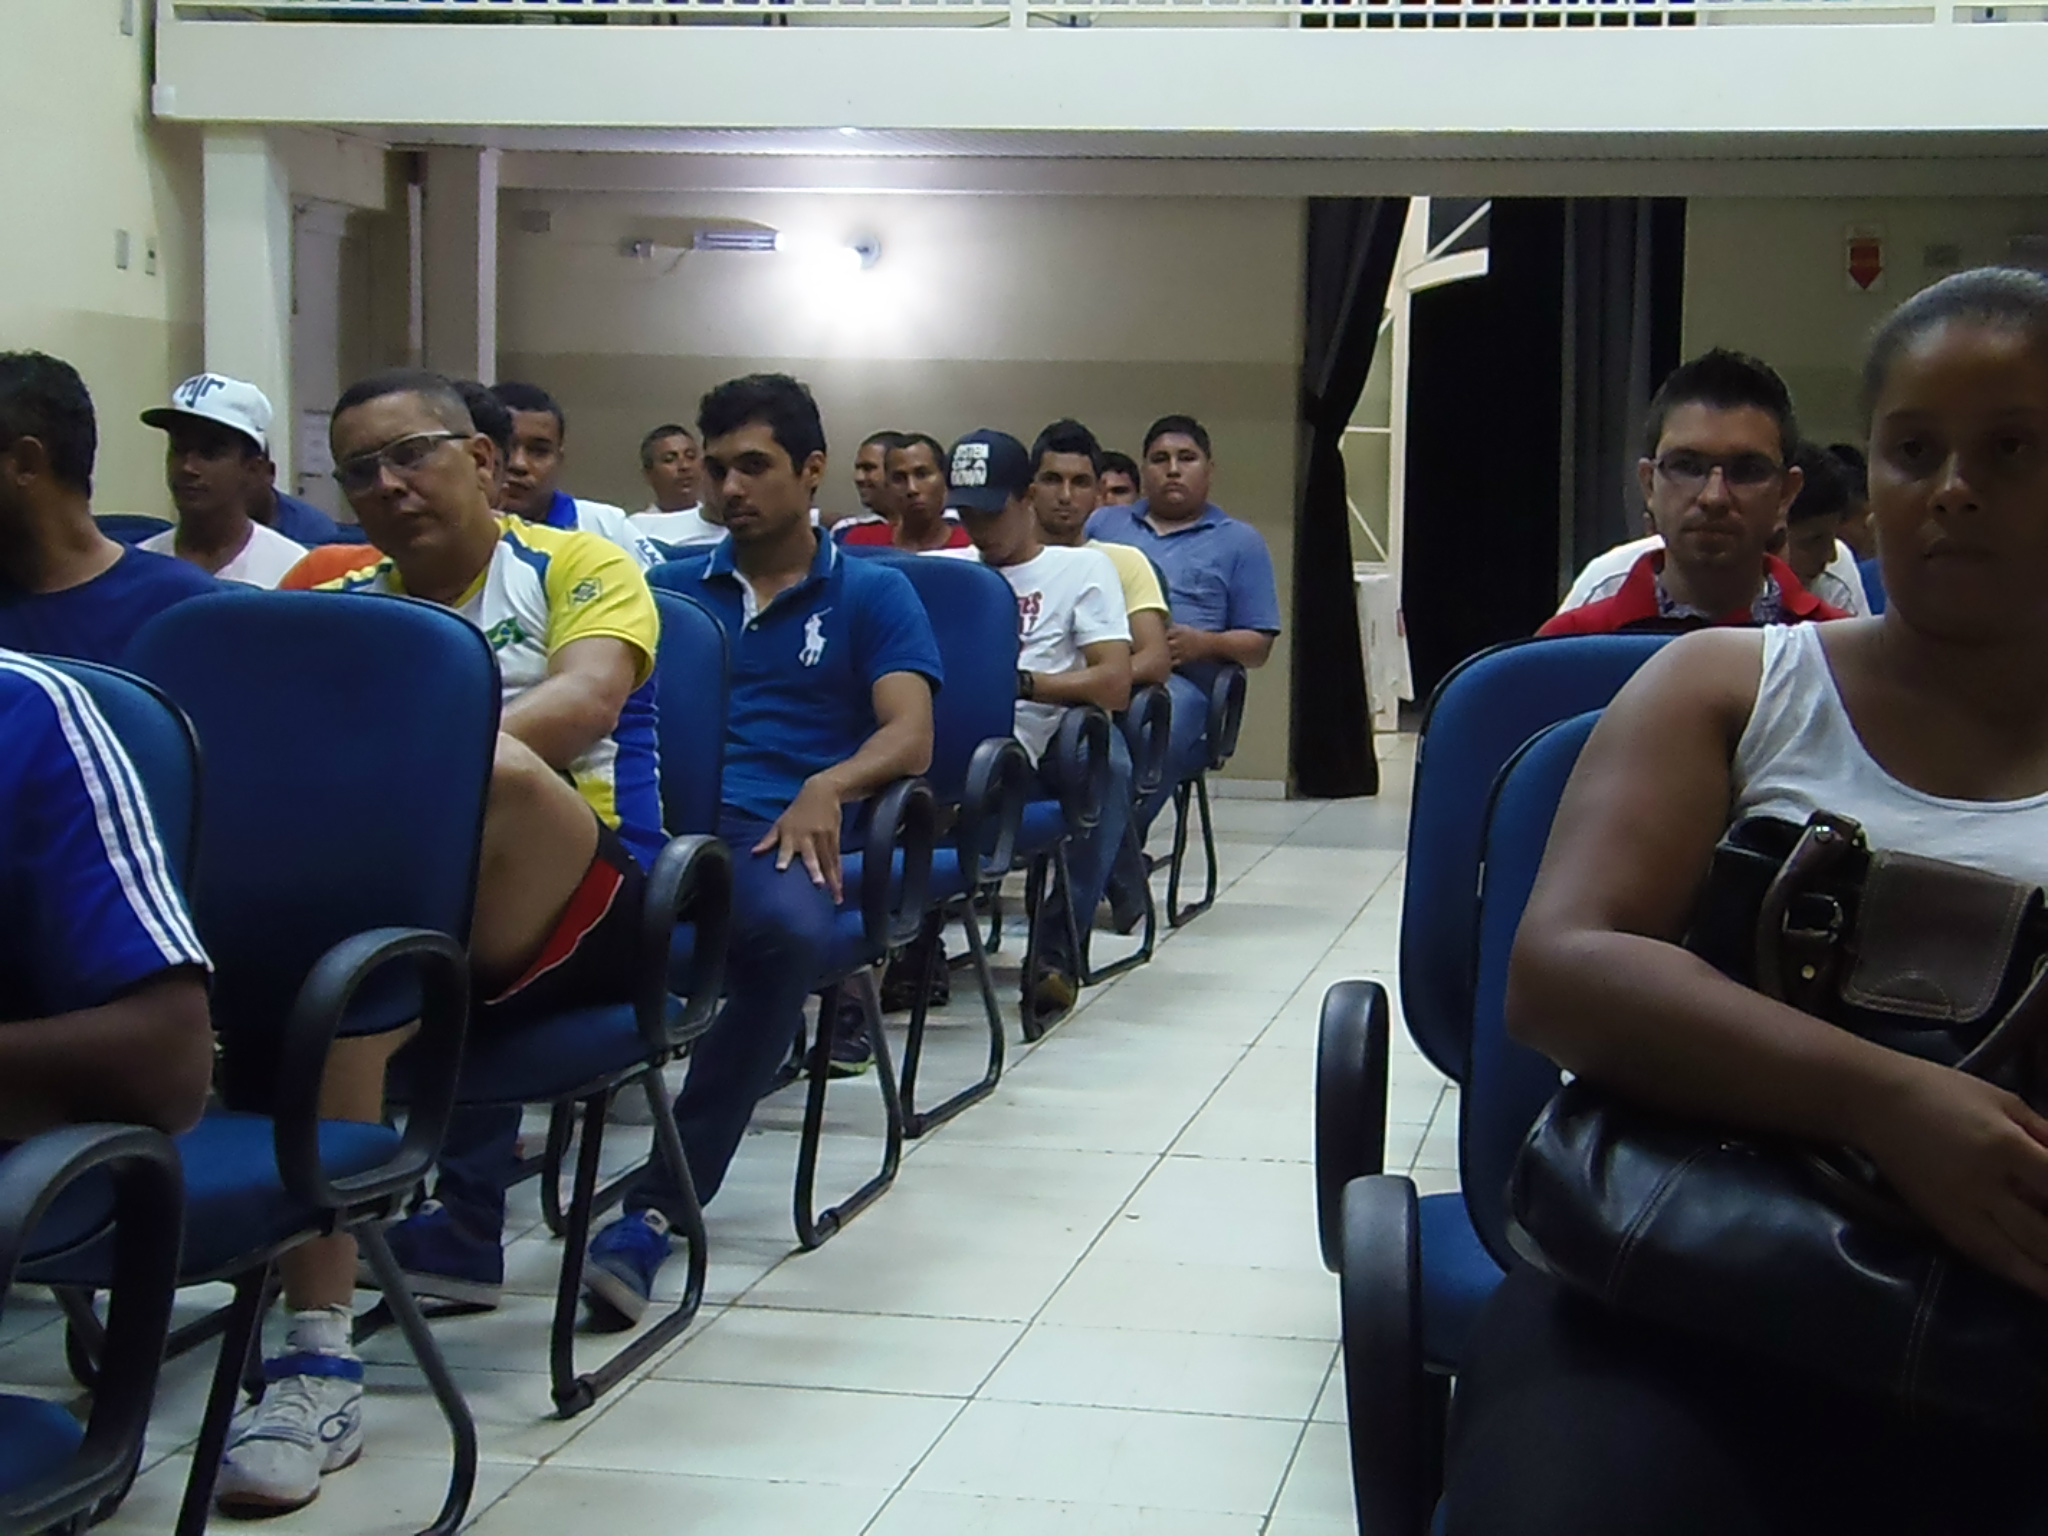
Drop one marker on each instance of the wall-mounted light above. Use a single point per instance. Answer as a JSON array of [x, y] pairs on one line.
[[855, 255]]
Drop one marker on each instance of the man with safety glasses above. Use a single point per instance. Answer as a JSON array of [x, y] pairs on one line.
[[572, 821], [1717, 477]]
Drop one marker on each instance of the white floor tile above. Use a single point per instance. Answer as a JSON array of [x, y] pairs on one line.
[[771, 1434], [1263, 1378], [391, 1496], [945, 1357], [1111, 1456], [1318, 1485], [956, 1514], [1108, 1292], [556, 1499]]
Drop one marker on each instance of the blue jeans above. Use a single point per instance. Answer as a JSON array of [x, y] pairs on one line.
[[1089, 855], [1187, 752], [783, 930], [782, 933]]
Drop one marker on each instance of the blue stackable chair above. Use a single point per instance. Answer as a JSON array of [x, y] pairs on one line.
[[131, 527], [585, 1056], [1479, 716], [978, 777], [1416, 1272], [1872, 572], [884, 910], [56, 1474], [317, 931]]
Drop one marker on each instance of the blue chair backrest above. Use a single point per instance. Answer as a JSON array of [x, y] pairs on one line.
[[159, 742], [974, 619], [1477, 718], [347, 744], [1508, 1083], [132, 527], [1872, 572], [692, 677]]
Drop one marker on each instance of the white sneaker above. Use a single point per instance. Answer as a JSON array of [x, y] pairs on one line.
[[309, 1423]]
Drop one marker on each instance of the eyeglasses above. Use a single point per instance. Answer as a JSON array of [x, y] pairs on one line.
[[402, 456], [1688, 471]]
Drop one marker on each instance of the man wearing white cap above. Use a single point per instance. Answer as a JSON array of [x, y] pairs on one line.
[[222, 482]]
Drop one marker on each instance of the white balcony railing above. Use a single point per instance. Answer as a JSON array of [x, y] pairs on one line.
[[1466, 15]]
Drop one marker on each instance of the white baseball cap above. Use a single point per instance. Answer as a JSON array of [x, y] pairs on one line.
[[215, 397]]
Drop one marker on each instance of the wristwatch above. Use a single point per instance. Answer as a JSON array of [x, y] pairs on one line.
[[1027, 684]]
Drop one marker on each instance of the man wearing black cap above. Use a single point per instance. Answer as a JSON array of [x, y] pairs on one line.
[[1076, 649]]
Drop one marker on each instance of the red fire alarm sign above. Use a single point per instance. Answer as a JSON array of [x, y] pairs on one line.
[[1863, 257]]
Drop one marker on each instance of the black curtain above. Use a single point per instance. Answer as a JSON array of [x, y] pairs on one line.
[[1352, 243], [1623, 290]]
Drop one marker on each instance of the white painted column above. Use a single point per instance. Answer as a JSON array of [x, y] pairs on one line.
[[460, 258], [247, 254], [318, 229]]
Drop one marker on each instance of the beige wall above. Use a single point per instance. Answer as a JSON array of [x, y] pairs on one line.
[[982, 311], [83, 161], [1768, 276]]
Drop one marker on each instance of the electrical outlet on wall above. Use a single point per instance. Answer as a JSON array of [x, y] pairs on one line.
[[121, 249], [149, 256]]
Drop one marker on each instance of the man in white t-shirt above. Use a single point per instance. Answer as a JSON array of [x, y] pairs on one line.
[[218, 468], [1075, 649], [533, 470], [677, 518]]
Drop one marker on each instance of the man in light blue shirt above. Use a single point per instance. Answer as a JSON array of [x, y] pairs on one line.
[[1219, 585]]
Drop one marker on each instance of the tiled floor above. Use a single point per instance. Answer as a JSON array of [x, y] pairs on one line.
[[1091, 1305]]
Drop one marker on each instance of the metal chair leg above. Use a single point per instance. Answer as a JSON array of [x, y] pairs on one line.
[[461, 1426], [244, 1314], [572, 1392], [1197, 790], [1035, 879], [1092, 973], [916, 1121], [813, 1227], [561, 1126]]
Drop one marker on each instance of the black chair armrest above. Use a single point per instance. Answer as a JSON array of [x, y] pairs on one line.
[[903, 819], [1226, 712], [1078, 756], [435, 1053], [1386, 1397], [149, 1219], [1148, 731], [1351, 1099], [992, 807], [691, 882]]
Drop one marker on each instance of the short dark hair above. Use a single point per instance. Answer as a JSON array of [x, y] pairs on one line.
[[1825, 492], [2010, 298], [883, 440], [488, 413], [1067, 436], [773, 400], [1183, 426], [920, 440], [44, 398], [1727, 381], [1118, 463], [437, 389], [666, 429], [515, 396], [1855, 468]]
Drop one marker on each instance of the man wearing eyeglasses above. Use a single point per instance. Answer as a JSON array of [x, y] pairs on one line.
[[1717, 477], [572, 821]]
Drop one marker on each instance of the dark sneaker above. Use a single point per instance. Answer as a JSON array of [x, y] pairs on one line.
[[852, 1052], [1053, 995], [441, 1260], [618, 1273], [905, 974]]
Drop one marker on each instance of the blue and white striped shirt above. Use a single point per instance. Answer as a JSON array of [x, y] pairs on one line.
[[89, 907]]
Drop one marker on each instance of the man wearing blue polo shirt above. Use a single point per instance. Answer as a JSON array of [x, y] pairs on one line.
[[1219, 585], [833, 670]]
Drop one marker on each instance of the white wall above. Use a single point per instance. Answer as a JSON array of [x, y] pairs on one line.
[[1769, 276], [982, 311], [83, 161]]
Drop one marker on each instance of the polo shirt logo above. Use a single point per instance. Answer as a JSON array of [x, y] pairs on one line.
[[505, 632], [814, 639], [585, 591]]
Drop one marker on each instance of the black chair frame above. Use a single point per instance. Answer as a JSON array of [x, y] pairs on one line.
[[1226, 716], [148, 1212], [984, 834], [1079, 753]]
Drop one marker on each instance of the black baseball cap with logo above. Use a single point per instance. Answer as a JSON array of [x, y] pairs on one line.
[[985, 470]]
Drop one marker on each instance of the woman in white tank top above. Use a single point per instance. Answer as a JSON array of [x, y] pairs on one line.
[[1930, 727]]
